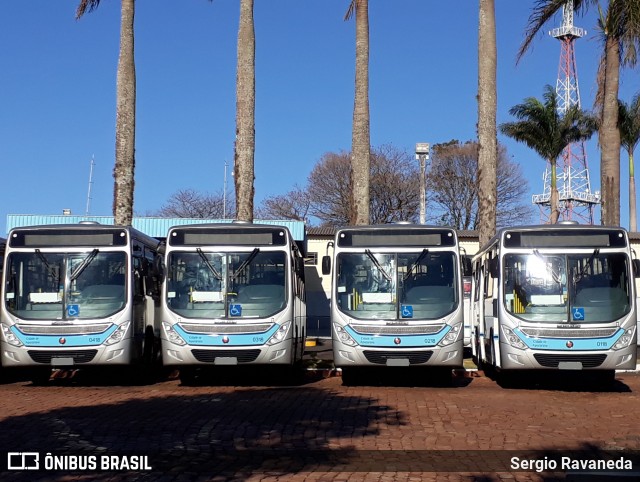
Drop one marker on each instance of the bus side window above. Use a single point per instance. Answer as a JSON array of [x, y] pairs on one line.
[[476, 275]]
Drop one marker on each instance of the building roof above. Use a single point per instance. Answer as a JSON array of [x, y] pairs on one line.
[[321, 231], [151, 226]]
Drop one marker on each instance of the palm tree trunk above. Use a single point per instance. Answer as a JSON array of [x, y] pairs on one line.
[[124, 170], [609, 136], [361, 140], [245, 114], [555, 211], [632, 196], [487, 130]]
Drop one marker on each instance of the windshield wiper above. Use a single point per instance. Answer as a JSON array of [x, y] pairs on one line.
[[245, 263], [587, 265], [212, 268], [48, 266], [85, 262], [375, 261], [416, 263]]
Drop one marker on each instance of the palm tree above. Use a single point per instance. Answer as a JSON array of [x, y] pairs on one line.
[[546, 131], [621, 32], [124, 170], [361, 139], [629, 126], [487, 132], [245, 143]]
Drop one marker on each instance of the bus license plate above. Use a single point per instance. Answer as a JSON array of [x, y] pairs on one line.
[[62, 361], [397, 362], [570, 365], [225, 360]]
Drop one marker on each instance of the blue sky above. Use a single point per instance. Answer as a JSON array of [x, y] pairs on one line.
[[57, 88]]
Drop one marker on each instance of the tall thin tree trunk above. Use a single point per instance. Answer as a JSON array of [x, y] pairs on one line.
[[124, 170], [487, 130], [555, 211], [632, 196], [245, 114], [361, 140], [610, 136]]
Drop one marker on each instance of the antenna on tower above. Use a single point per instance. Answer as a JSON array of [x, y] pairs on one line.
[[90, 183], [574, 187]]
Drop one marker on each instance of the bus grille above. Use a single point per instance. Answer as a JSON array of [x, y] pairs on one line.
[[552, 361], [225, 328], [381, 357], [79, 356], [397, 329], [569, 333], [209, 356], [63, 329]]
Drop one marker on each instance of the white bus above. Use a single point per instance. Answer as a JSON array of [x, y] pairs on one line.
[[467, 273], [555, 297], [79, 295], [234, 295], [396, 298]]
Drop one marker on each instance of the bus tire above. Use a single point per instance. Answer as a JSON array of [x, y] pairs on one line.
[[604, 378], [351, 376], [188, 376], [40, 376]]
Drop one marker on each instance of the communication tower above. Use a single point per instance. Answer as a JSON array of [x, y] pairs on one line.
[[574, 188]]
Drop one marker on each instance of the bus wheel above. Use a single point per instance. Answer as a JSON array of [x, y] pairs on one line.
[[477, 358], [40, 376], [188, 375], [441, 376], [351, 376], [604, 378]]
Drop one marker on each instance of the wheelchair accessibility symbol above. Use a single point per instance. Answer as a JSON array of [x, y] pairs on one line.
[[73, 310], [235, 310], [407, 311], [578, 313]]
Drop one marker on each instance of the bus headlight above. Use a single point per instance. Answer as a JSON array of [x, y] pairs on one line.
[[118, 335], [279, 335], [625, 339], [9, 336], [452, 336], [343, 336], [513, 339], [172, 335]]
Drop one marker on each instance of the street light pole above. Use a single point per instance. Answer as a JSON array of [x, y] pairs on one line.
[[422, 155]]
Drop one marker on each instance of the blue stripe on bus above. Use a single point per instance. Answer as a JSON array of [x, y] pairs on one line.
[[63, 340], [234, 339], [576, 344], [391, 340]]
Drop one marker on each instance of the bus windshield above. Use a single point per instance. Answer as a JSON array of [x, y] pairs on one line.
[[211, 285], [65, 286], [576, 288], [420, 285]]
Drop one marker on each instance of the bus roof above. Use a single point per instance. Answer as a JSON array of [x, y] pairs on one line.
[[572, 229], [88, 226], [151, 226]]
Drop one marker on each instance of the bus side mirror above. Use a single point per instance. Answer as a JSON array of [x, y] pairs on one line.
[[466, 267], [326, 265], [493, 267], [158, 266], [636, 267]]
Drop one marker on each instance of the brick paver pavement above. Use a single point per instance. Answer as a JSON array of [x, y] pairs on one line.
[[319, 430]]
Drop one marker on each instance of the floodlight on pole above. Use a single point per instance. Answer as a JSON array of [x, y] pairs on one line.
[[422, 155]]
